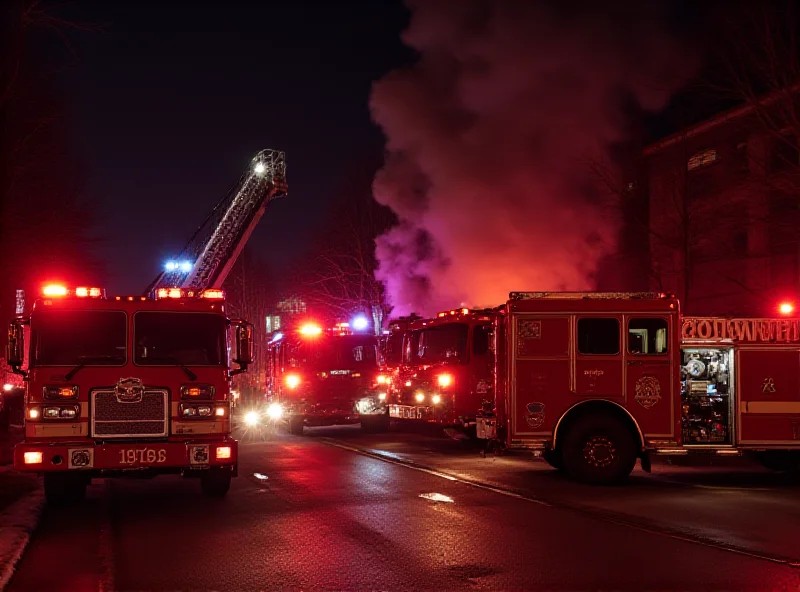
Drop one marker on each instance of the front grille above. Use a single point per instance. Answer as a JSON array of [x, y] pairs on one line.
[[112, 418]]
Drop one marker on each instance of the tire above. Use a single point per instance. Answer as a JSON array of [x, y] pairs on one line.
[[296, 426], [216, 482], [780, 461], [64, 488], [553, 458], [599, 449]]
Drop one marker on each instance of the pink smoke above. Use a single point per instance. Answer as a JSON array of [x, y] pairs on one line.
[[489, 139]]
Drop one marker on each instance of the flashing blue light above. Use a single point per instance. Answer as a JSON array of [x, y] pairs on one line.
[[360, 323], [186, 266], [276, 337], [170, 266]]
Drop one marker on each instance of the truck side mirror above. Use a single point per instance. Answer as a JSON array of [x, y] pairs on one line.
[[15, 349], [244, 344]]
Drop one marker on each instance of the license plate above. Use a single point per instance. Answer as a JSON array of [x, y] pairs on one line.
[[141, 456]]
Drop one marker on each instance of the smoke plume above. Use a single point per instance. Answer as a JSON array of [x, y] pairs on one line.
[[489, 139]]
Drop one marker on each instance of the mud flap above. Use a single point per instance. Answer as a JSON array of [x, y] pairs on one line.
[[645, 459]]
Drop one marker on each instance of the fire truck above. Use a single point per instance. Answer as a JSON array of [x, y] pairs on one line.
[[445, 370], [323, 377], [595, 381], [140, 385]]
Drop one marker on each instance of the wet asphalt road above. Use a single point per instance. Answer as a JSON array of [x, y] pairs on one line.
[[339, 510]]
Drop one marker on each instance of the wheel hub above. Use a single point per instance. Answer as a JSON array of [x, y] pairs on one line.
[[599, 452]]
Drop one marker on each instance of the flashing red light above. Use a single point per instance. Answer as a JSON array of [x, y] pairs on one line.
[[215, 294], [54, 290], [310, 330], [786, 308], [83, 292]]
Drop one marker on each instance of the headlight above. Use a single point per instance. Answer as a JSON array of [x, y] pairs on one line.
[[445, 380], [275, 411], [251, 418], [382, 379], [292, 381], [436, 399], [419, 397]]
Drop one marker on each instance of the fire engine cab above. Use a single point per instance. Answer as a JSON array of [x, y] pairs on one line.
[[323, 377], [127, 385], [446, 369], [593, 381]]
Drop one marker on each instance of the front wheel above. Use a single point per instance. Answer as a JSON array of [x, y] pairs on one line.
[[64, 488], [599, 449], [216, 482]]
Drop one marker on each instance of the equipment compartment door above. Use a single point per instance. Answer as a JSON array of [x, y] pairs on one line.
[[540, 374], [649, 374], [768, 396]]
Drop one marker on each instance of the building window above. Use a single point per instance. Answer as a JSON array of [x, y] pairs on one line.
[[702, 159], [647, 336], [598, 336]]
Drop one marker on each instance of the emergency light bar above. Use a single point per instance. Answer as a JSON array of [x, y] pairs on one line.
[[462, 311], [165, 293], [60, 291]]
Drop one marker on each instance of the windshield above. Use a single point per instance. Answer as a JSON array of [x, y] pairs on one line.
[[169, 338], [446, 343], [393, 351], [337, 353], [72, 337]]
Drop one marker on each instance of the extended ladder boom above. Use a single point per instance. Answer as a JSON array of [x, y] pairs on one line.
[[217, 243]]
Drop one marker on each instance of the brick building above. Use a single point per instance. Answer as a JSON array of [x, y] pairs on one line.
[[721, 220]]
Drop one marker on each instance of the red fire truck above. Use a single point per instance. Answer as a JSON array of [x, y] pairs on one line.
[[141, 384], [445, 370], [124, 385], [322, 377], [593, 381]]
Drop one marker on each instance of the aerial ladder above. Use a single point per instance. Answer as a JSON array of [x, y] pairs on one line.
[[208, 257]]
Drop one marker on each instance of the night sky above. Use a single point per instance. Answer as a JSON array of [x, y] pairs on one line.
[[172, 99]]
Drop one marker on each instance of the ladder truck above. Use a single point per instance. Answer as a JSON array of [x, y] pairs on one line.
[[140, 385]]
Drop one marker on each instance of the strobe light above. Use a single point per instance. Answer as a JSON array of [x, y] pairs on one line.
[[786, 308], [359, 323]]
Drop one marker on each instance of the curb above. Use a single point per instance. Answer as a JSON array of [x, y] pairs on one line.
[[17, 523]]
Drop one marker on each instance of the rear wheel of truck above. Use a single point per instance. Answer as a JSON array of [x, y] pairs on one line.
[[599, 449], [64, 488], [216, 482], [296, 426]]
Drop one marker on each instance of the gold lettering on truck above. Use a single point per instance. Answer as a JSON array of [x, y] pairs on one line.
[[740, 330]]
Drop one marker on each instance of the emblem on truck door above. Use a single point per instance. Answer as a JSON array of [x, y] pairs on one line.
[[648, 391], [129, 390], [535, 417]]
